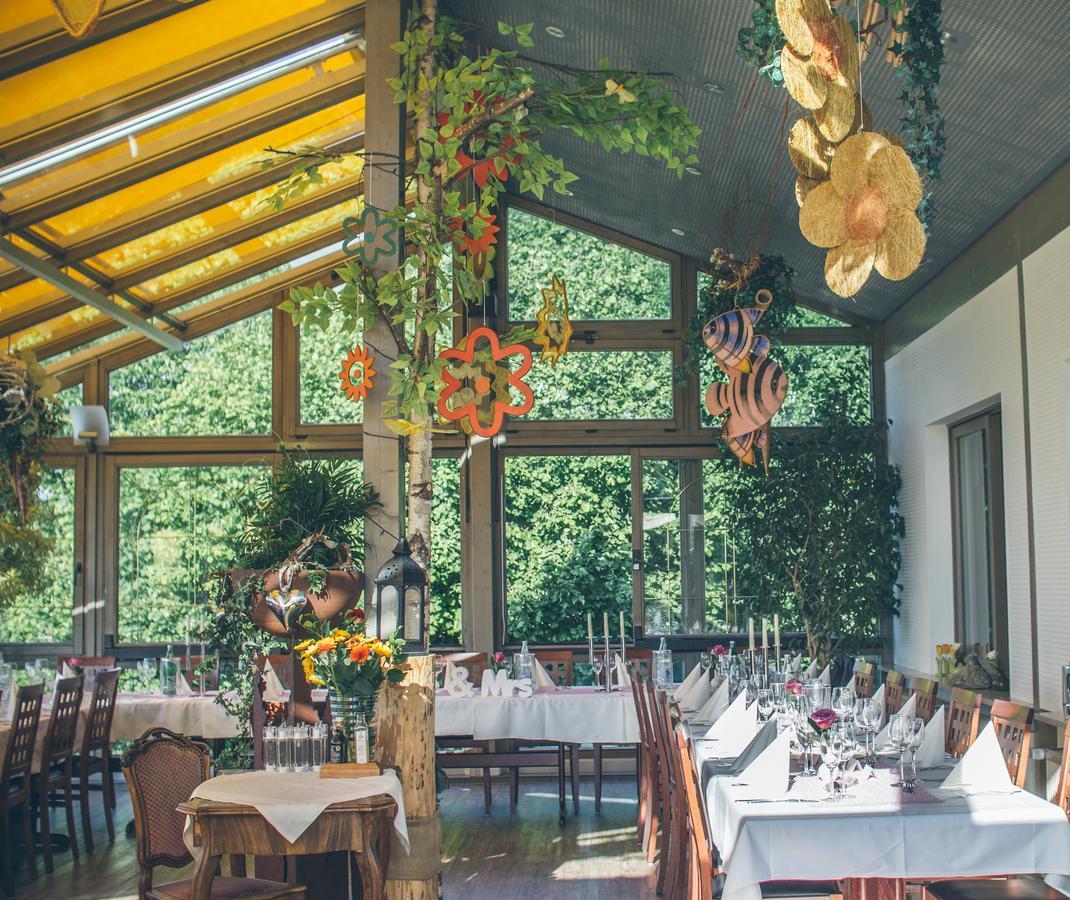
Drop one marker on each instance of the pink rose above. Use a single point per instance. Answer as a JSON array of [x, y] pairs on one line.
[[823, 719], [794, 686], [499, 657], [720, 650]]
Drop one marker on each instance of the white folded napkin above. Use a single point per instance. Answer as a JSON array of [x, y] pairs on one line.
[[825, 677], [274, 692], [811, 670], [906, 710], [734, 730], [982, 767], [760, 740], [716, 706], [540, 678], [698, 695], [795, 664], [692, 678], [182, 688], [620, 671], [931, 751], [766, 777]]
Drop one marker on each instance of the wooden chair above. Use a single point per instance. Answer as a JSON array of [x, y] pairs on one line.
[[97, 739], [558, 665], [15, 779], [1014, 731], [673, 833], [963, 719], [863, 682], [646, 820], [1062, 792], [162, 770], [893, 693], [57, 763], [925, 698], [641, 663]]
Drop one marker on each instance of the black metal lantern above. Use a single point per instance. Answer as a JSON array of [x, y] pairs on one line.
[[401, 593]]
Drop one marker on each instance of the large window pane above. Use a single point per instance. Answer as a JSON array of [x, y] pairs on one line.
[[605, 280], [445, 627], [176, 523], [47, 617], [322, 400], [604, 385], [816, 372], [567, 544], [222, 385]]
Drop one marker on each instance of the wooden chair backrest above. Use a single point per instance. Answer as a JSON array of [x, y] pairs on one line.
[[1014, 731], [698, 828], [641, 714], [475, 663], [642, 660], [21, 742], [103, 662], [1062, 792], [925, 693], [97, 734], [558, 665], [63, 722], [893, 693], [963, 719], [863, 683]]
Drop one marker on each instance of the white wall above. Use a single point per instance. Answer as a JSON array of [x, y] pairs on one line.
[[1046, 277], [968, 362]]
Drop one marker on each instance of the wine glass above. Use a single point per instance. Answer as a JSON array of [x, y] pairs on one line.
[[843, 701], [597, 665], [870, 718], [899, 735], [784, 715], [765, 704], [831, 748], [752, 690], [915, 736], [804, 732]]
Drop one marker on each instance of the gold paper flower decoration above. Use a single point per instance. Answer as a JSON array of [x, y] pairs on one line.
[[554, 329], [864, 213], [820, 63]]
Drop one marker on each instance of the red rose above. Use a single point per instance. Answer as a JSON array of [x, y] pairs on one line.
[[794, 686], [823, 719], [720, 650], [356, 614]]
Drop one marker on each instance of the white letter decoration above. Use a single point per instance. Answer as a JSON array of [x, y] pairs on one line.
[[499, 684], [458, 684]]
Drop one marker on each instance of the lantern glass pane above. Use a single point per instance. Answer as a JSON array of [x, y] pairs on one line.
[[387, 612], [414, 603]]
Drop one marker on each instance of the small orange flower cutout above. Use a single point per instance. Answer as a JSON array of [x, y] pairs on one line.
[[356, 388]]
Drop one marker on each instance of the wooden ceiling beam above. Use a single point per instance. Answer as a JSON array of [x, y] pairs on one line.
[[342, 20], [148, 167]]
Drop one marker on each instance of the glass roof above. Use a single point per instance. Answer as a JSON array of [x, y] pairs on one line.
[[169, 209]]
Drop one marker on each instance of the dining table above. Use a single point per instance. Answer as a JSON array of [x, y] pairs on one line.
[[197, 715], [878, 830]]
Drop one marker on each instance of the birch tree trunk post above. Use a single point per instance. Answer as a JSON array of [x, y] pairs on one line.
[[418, 449], [405, 738]]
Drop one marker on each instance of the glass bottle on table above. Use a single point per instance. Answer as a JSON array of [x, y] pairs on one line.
[[663, 666], [338, 745], [361, 742], [169, 673]]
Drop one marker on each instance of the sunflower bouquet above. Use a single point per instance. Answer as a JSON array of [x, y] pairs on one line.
[[346, 660]]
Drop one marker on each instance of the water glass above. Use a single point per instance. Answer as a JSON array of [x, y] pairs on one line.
[[765, 704], [285, 759], [704, 659], [271, 748], [319, 745], [301, 748]]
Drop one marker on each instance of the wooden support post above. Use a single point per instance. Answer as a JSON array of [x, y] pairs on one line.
[[405, 737]]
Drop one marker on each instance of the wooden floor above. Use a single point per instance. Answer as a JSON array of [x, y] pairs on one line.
[[484, 857]]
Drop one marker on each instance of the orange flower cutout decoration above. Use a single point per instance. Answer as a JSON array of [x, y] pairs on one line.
[[554, 329], [479, 385], [356, 389]]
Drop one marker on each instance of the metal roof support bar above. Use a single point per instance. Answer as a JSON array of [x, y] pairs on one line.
[[47, 272]]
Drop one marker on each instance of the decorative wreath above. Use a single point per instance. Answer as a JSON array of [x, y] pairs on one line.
[[356, 389]]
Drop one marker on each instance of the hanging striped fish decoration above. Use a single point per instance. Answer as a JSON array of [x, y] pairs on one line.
[[754, 397], [741, 447], [729, 336]]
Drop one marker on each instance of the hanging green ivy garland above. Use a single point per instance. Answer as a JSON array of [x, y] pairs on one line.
[[922, 59]]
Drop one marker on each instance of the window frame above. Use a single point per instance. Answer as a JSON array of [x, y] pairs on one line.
[[989, 423]]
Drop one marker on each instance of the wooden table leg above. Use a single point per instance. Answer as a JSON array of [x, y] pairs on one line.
[[203, 873], [371, 872]]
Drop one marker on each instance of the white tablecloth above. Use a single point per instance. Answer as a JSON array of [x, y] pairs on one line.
[[572, 715], [875, 836], [291, 801], [195, 716]]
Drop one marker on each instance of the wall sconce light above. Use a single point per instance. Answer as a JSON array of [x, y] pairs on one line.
[[90, 427]]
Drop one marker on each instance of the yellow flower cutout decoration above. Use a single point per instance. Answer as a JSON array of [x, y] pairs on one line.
[[356, 387], [865, 215], [820, 63], [554, 328]]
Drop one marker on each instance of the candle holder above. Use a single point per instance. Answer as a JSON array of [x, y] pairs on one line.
[[609, 665], [590, 650]]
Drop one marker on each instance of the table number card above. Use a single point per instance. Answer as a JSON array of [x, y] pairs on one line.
[[499, 684]]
